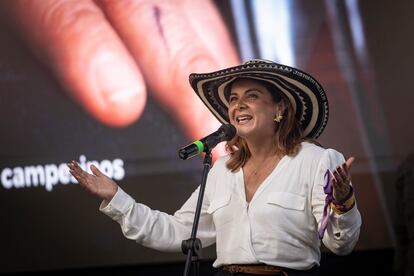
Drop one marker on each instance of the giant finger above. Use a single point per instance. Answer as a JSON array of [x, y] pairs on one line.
[[81, 47], [169, 43]]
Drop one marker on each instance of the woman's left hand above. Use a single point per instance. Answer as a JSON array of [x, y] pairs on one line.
[[341, 181]]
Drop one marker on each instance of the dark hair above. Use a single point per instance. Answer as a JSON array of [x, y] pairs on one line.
[[287, 138]]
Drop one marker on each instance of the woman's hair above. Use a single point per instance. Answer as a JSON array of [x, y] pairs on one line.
[[287, 137]]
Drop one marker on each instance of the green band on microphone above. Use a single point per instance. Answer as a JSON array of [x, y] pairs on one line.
[[199, 145]]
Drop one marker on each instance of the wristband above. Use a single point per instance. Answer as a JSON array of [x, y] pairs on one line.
[[343, 206]]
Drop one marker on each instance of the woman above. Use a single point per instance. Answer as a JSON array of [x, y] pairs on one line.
[[267, 204]]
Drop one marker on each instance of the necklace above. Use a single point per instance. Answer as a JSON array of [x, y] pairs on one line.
[[260, 166]]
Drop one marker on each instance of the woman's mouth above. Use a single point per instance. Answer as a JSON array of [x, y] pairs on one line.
[[243, 119]]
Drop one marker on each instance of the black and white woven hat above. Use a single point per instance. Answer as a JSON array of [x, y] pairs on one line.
[[303, 91]]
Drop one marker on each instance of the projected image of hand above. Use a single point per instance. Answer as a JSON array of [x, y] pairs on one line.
[[107, 53]]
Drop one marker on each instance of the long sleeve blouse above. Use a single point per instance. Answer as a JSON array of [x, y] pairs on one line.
[[279, 226]]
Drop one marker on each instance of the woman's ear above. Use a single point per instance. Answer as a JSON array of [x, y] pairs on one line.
[[281, 106]]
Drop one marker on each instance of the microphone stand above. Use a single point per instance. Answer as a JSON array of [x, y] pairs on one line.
[[192, 246]]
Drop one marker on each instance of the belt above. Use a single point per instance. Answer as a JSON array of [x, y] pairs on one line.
[[255, 269]]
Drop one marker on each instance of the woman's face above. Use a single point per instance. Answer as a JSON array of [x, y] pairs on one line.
[[252, 109]]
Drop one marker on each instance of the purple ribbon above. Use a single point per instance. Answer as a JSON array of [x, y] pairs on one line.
[[327, 188]]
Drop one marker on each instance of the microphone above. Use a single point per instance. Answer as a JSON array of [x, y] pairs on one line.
[[224, 133]]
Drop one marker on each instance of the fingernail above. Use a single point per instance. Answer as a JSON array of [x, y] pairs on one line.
[[117, 78]]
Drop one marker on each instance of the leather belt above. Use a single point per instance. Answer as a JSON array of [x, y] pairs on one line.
[[255, 269]]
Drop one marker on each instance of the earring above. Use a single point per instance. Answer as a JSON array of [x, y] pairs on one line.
[[278, 118]]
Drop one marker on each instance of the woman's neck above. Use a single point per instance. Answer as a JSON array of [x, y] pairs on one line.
[[262, 148]]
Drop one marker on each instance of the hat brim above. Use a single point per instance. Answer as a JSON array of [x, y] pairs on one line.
[[306, 95]]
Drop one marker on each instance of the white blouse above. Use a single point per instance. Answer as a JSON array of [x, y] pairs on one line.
[[278, 227]]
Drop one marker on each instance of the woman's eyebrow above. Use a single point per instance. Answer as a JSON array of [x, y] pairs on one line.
[[247, 91], [253, 90]]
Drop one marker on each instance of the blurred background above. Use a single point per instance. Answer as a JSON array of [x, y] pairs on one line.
[[358, 50]]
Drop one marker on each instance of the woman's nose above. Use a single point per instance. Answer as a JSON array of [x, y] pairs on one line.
[[240, 104]]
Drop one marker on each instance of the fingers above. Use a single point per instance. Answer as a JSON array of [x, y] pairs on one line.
[[103, 187], [340, 189], [96, 171], [211, 31], [341, 175], [339, 185], [348, 164], [77, 172], [342, 179], [342, 172], [169, 40], [85, 179], [78, 43]]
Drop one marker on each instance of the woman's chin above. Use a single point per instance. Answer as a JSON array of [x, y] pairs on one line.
[[243, 131]]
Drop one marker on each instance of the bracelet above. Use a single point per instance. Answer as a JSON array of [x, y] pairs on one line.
[[343, 206]]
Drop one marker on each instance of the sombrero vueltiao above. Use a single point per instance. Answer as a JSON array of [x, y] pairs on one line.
[[303, 91]]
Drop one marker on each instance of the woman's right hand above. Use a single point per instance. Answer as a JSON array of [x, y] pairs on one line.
[[97, 183]]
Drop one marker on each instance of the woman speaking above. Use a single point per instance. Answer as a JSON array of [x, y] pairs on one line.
[[274, 198]]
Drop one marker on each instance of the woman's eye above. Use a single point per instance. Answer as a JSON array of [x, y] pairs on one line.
[[252, 96], [232, 99]]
